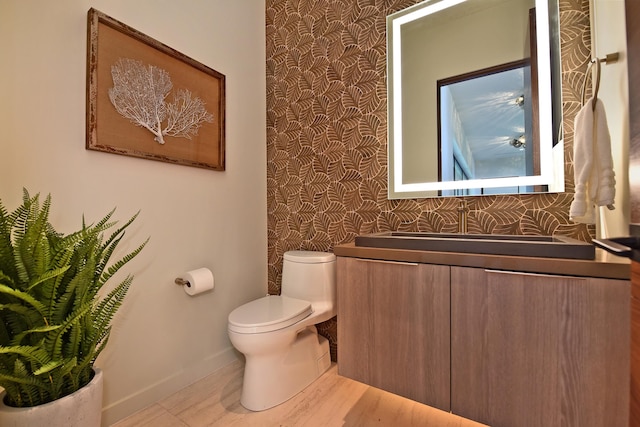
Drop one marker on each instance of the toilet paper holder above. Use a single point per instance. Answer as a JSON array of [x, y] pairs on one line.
[[180, 281], [196, 281]]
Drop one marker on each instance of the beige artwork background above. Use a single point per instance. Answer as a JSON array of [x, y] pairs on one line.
[[327, 136]]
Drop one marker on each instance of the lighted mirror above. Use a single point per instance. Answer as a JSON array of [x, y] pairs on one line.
[[474, 98]]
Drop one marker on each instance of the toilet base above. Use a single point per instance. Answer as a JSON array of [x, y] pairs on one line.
[[272, 379]]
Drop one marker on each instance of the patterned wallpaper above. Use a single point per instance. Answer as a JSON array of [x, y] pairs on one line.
[[327, 135]]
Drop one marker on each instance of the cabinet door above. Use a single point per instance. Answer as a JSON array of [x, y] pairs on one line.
[[634, 407], [536, 350], [393, 327]]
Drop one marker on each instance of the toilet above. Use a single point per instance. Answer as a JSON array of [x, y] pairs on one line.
[[277, 333]]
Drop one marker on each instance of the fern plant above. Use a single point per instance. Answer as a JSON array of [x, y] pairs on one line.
[[54, 321]]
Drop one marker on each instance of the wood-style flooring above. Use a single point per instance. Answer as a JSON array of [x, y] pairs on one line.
[[330, 401]]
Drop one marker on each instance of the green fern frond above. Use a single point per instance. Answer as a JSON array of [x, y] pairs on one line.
[[120, 229], [107, 307], [119, 264], [6, 248], [61, 260], [6, 279], [7, 379], [30, 353], [46, 368], [65, 381], [23, 388], [55, 339], [109, 245], [31, 244], [103, 315], [62, 306], [19, 309], [102, 224], [17, 340], [47, 275], [105, 251], [102, 343], [23, 296]]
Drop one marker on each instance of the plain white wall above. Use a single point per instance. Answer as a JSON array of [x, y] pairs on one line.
[[609, 36], [162, 338]]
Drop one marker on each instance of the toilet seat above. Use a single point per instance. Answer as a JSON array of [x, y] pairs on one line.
[[268, 314]]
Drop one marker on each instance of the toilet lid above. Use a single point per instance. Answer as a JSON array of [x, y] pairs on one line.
[[267, 314]]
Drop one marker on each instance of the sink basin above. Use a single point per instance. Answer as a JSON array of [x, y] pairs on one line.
[[491, 244]]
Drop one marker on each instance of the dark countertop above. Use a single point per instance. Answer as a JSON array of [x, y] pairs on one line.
[[605, 265]]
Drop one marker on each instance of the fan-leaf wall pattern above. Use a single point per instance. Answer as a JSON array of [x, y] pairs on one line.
[[327, 135]]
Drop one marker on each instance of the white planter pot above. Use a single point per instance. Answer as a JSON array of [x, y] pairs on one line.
[[80, 409]]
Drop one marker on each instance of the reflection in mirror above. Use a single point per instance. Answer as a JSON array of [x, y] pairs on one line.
[[485, 127], [463, 57]]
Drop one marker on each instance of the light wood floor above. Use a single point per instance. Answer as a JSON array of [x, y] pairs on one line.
[[330, 401]]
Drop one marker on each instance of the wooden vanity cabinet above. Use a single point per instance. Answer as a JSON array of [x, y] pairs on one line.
[[503, 348], [634, 394], [394, 327]]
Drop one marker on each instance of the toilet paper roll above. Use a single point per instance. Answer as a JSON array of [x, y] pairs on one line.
[[199, 281]]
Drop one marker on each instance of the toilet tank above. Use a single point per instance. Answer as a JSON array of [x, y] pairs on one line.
[[310, 276]]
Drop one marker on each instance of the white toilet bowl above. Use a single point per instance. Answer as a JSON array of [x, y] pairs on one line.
[[278, 337]]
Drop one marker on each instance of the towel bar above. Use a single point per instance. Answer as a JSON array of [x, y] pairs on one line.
[[609, 59]]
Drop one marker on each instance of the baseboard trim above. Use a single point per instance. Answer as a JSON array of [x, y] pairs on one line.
[[166, 387]]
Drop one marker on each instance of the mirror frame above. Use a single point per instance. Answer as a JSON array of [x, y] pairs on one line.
[[399, 190]]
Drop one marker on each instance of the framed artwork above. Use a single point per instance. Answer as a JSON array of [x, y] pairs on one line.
[[147, 100]]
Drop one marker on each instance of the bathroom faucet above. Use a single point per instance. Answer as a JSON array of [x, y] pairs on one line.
[[463, 210]]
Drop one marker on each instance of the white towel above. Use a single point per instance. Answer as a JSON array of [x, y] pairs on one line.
[[592, 162]]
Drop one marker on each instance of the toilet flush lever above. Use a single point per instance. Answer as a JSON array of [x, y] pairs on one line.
[[180, 281]]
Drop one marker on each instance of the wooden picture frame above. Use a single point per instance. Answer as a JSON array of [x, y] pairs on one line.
[[147, 100]]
